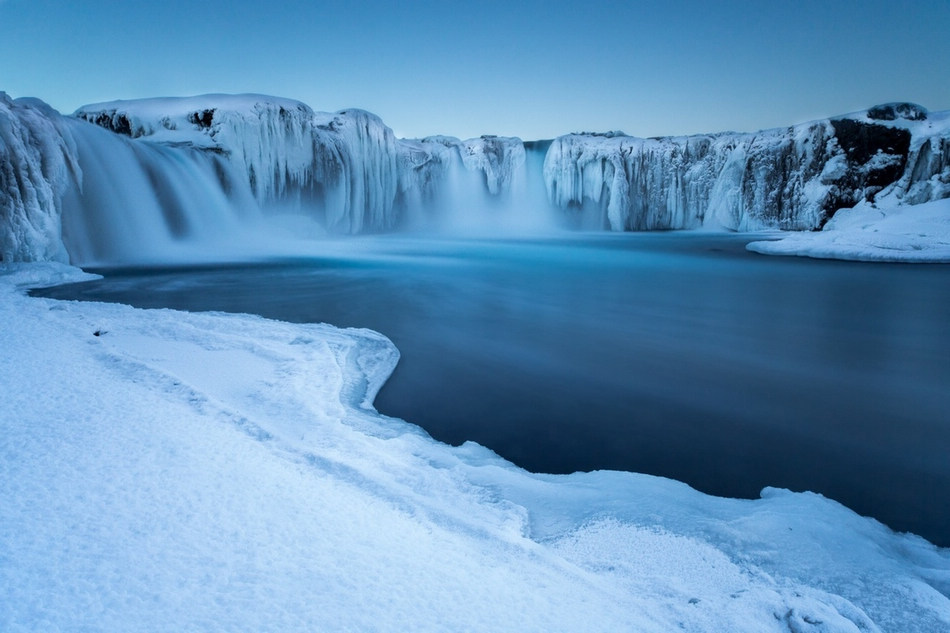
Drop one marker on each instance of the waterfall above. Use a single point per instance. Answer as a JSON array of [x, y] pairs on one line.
[[183, 179]]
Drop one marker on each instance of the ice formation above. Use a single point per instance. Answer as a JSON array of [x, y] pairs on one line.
[[36, 162], [348, 168], [164, 470], [792, 178]]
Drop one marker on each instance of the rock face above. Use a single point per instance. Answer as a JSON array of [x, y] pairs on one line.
[[869, 158], [135, 179], [792, 178]]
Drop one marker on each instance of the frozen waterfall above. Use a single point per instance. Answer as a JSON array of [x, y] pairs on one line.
[[144, 180], [792, 178]]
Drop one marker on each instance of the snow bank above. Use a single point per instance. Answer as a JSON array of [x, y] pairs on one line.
[[870, 232], [162, 470]]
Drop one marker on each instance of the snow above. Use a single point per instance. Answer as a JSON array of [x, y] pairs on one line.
[[871, 232], [162, 470], [497, 157]]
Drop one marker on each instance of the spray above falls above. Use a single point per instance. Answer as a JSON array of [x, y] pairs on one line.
[[159, 179]]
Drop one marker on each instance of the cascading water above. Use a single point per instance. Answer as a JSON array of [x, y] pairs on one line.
[[145, 202]]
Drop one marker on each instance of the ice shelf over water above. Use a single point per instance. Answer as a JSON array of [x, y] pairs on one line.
[[143, 180], [162, 470]]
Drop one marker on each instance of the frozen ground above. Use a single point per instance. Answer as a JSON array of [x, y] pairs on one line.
[[162, 470], [895, 233]]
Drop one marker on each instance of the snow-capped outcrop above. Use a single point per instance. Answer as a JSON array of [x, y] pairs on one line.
[[448, 182], [926, 176], [873, 232], [792, 178]]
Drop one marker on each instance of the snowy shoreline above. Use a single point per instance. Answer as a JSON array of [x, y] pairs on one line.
[[181, 471], [869, 233]]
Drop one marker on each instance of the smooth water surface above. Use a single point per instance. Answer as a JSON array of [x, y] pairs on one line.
[[673, 354]]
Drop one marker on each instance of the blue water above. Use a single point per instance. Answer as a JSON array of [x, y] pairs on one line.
[[674, 354]]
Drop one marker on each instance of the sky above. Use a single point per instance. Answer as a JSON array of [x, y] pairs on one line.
[[529, 68]]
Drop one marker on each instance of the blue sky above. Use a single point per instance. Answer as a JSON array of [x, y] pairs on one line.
[[531, 69]]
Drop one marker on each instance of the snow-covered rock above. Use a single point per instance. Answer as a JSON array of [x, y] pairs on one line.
[[341, 167], [347, 167], [497, 157], [874, 232], [175, 174]]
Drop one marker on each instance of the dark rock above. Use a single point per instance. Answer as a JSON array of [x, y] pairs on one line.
[[894, 111], [876, 157], [202, 118], [861, 141], [110, 120]]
